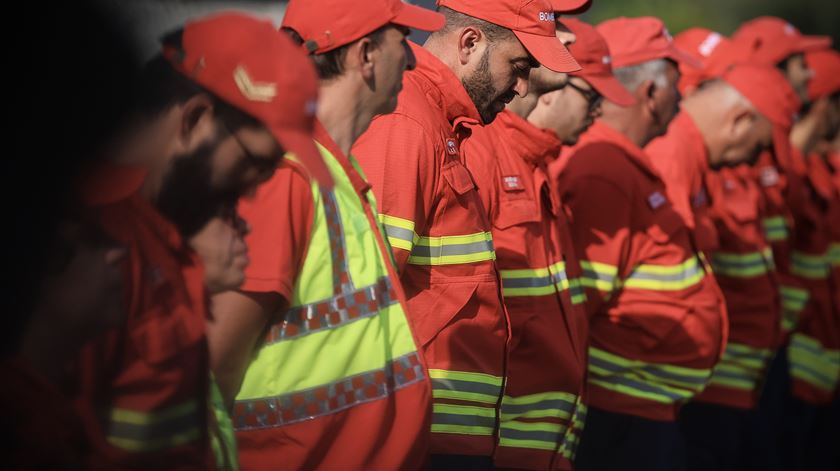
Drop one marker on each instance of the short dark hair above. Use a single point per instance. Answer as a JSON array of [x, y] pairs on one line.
[[456, 20], [161, 86], [330, 64]]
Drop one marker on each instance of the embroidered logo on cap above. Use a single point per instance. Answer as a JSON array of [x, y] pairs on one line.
[[769, 176], [656, 199], [789, 29], [606, 60], [451, 147], [254, 91], [512, 183], [709, 44], [546, 16], [667, 34]]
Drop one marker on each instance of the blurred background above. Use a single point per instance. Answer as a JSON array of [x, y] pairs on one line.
[[146, 20]]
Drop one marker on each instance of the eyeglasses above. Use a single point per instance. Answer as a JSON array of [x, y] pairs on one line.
[[592, 97], [261, 164]]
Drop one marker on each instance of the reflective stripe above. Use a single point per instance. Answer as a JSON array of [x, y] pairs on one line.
[[775, 228], [542, 435], [452, 250], [745, 265], [793, 302], [599, 275], [812, 363], [335, 312], [741, 367], [666, 277], [653, 381], [285, 409], [541, 282], [148, 431], [834, 254], [815, 267], [463, 420], [465, 386], [400, 232], [542, 405]]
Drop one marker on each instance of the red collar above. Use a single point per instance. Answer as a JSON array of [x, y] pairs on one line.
[[600, 131], [452, 97], [692, 141], [537, 146]]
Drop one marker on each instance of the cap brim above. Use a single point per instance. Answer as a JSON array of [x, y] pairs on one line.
[[548, 51], [302, 145], [610, 88], [419, 18], [678, 55], [810, 43]]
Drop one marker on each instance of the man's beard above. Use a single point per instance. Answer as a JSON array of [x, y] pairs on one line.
[[187, 197], [479, 87]]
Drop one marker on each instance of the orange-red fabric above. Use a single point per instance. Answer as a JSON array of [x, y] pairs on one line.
[[412, 159], [243, 61], [621, 217], [681, 159], [280, 215], [728, 202], [509, 160], [592, 53], [378, 435], [636, 40], [825, 65], [754, 303], [531, 21], [348, 21], [773, 39], [158, 357], [817, 226]]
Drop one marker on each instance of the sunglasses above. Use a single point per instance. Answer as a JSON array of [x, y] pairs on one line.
[[593, 98]]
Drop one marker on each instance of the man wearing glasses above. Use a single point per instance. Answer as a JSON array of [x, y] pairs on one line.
[[540, 274]]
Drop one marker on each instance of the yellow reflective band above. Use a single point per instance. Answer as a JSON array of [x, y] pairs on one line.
[[745, 265], [465, 386], [147, 431], [666, 277], [599, 276], [815, 267], [775, 228], [453, 250], [400, 232], [834, 254], [534, 406], [812, 363], [652, 381], [741, 367], [463, 420], [536, 435], [540, 282]]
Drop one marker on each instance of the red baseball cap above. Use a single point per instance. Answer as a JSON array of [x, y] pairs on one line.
[[769, 91], [774, 39], [825, 64], [593, 54], [637, 40], [532, 21], [571, 7], [700, 43], [325, 25], [245, 62]]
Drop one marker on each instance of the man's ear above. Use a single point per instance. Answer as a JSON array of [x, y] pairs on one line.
[[471, 41], [197, 120], [739, 123], [362, 56], [645, 95]]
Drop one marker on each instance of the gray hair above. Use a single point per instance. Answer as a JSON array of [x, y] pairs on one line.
[[632, 76]]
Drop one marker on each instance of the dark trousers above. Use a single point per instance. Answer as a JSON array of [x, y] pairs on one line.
[[460, 463], [715, 436], [619, 442]]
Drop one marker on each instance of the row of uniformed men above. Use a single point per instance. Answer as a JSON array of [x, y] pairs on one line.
[[577, 265]]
